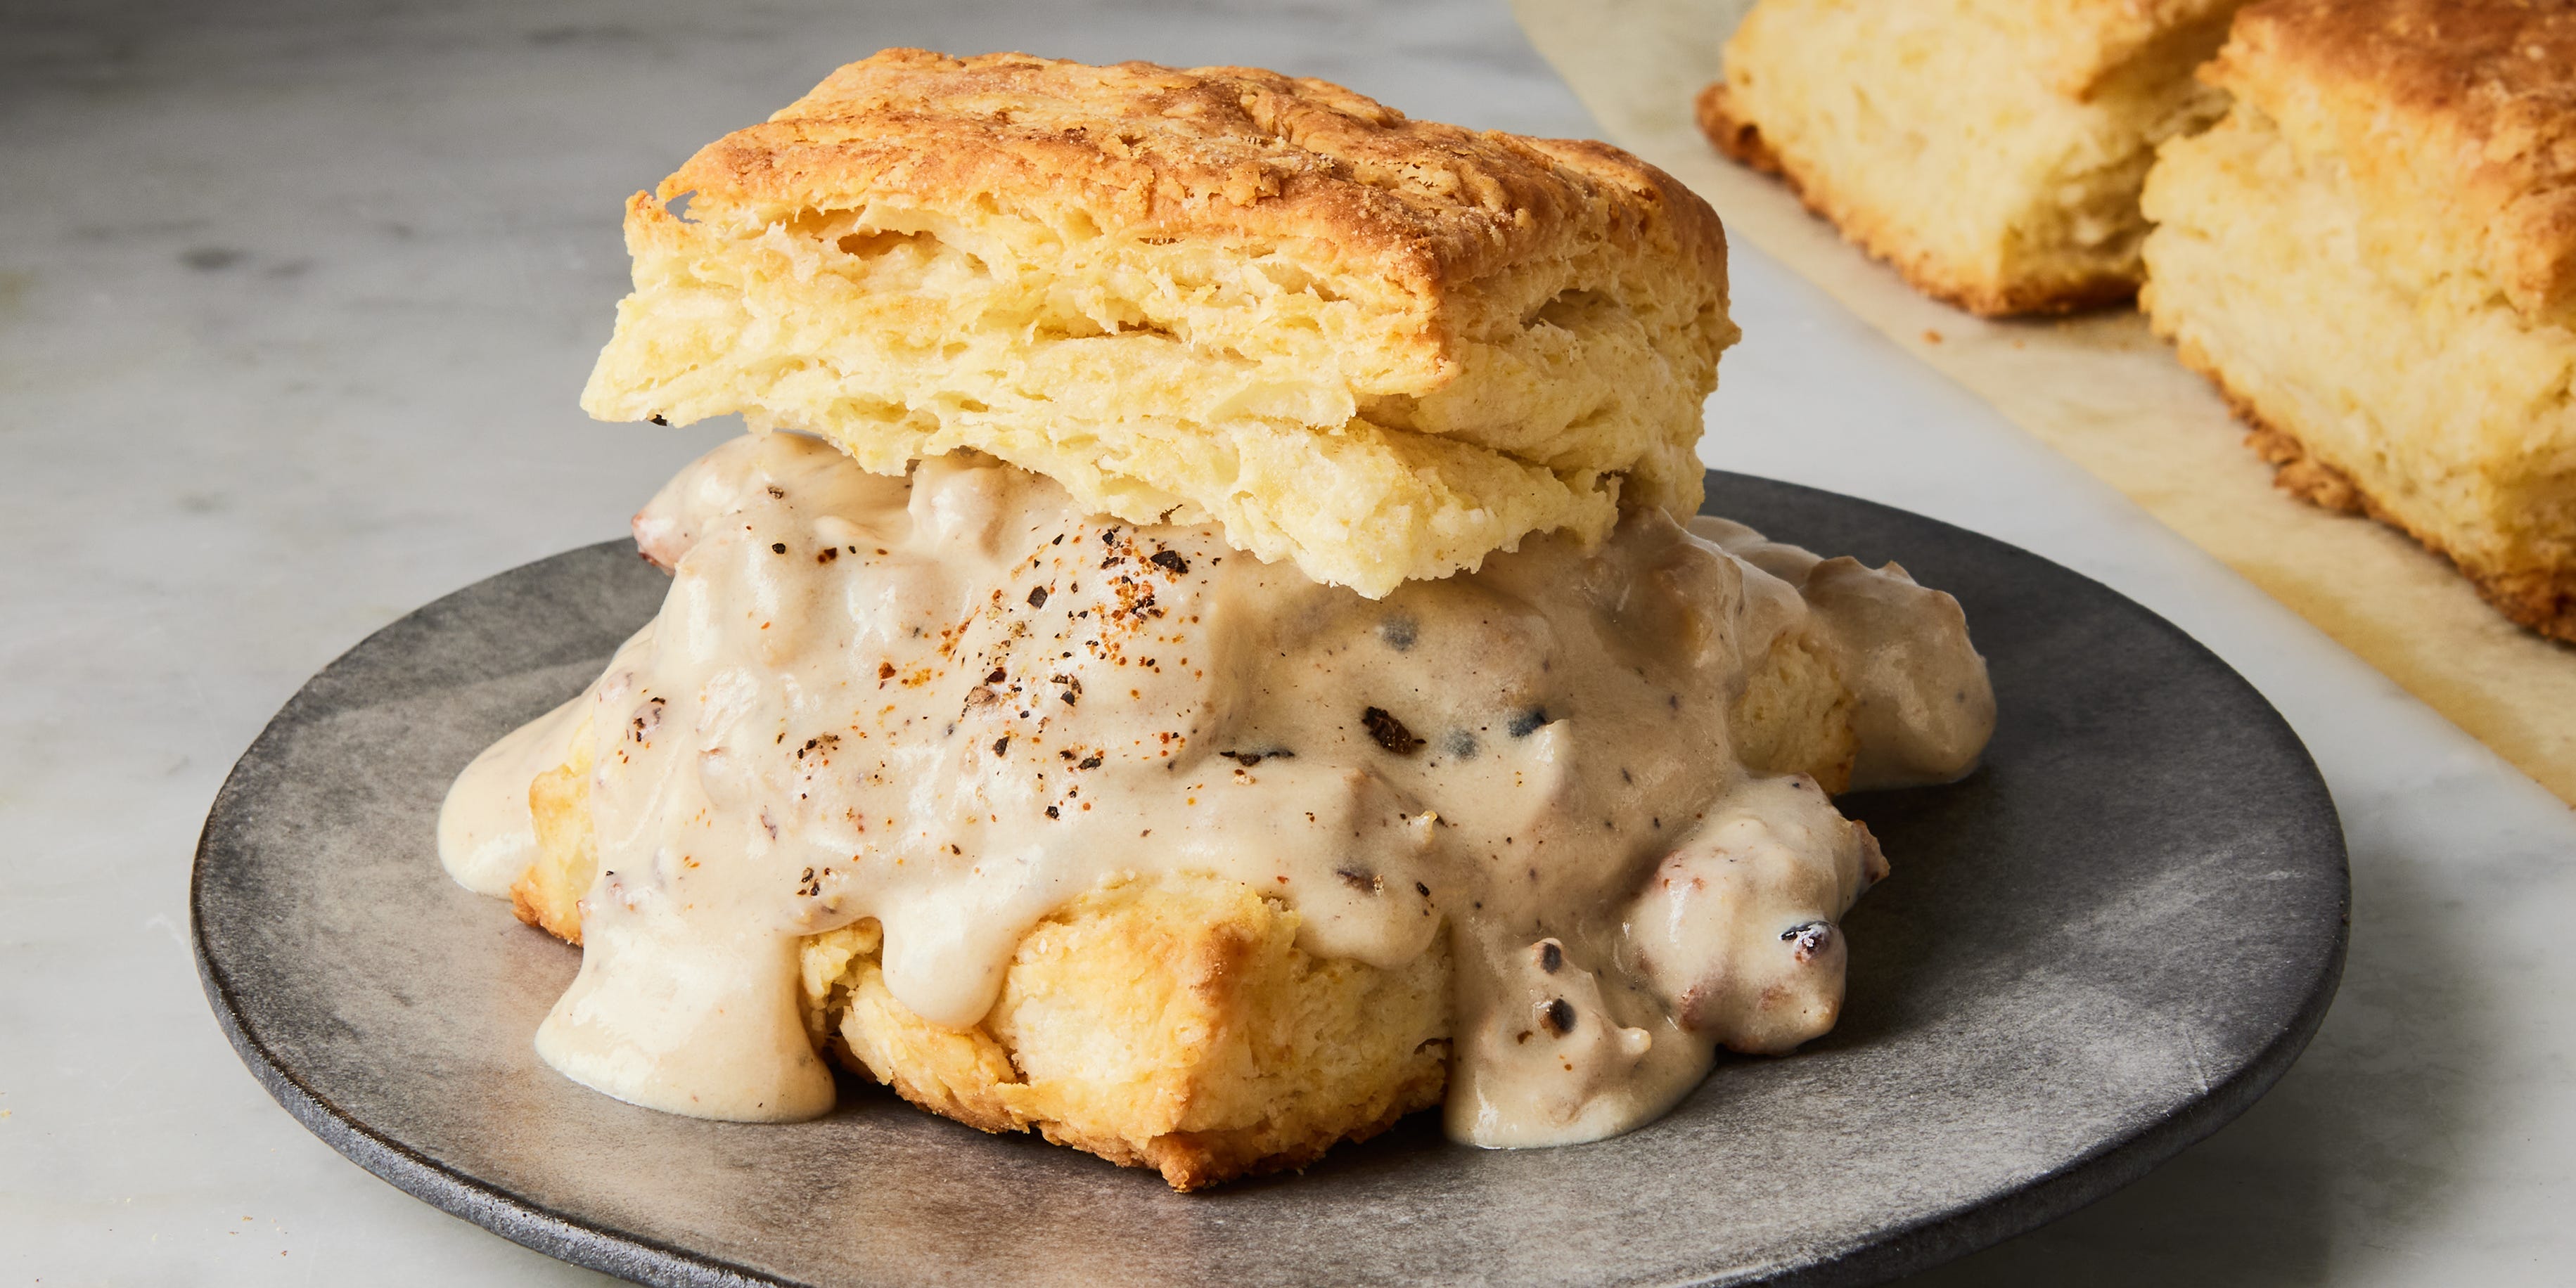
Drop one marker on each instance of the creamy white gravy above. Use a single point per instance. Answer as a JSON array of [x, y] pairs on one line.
[[953, 703], [486, 837]]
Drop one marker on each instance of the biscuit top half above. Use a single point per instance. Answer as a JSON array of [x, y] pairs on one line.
[[1377, 346], [1244, 157], [2456, 120]]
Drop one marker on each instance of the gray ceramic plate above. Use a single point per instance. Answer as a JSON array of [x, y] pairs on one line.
[[2103, 945]]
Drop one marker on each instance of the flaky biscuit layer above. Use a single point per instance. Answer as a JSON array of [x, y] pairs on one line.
[[2439, 407], [2454, 122], [1378, 347]]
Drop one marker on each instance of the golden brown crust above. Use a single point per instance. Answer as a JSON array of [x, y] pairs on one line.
[[1740, 140], [548, 895], [1237, 157], [2542, 601], [1737, 139], [2295, 471], [1197, 1160], [2456, 118]]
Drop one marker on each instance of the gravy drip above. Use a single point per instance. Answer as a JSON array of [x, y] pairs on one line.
[[953, 703]]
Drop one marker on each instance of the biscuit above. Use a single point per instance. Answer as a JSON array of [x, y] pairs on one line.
[[1172, 1025], [1990, 150], [2374, 258], [1796, 715], [1378, 347]]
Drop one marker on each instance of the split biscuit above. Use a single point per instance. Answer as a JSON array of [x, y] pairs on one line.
[[1991, 150], [2374, 257], [1378, 347]]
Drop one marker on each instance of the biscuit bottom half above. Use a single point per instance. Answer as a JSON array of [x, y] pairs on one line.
[[2431, 405], [1170, 1023]]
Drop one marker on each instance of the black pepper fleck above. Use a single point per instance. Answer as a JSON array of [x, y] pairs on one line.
[[1558, 1016], [1037, 597], [1551, 956], [1171, 561], [778, 547], [1389, 732]]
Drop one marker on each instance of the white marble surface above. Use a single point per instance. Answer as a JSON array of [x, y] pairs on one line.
[[293, 306]]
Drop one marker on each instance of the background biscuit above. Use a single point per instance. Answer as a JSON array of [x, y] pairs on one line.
[[2372, 257]]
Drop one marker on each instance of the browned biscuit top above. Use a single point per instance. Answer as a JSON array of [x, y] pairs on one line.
[[1234, 155], [2459, 112]]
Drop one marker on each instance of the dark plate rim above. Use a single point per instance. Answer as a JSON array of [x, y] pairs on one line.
[[1936, 1238]]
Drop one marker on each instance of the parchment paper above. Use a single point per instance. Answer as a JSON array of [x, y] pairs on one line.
[[2102, 391]]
